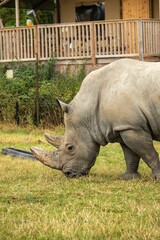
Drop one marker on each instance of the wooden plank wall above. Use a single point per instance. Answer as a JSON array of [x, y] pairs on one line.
[[133, 9]]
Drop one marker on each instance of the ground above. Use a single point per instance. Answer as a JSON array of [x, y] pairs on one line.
[[37, 202]]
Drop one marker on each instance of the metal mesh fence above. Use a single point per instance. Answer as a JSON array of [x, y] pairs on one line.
[[28, 91]]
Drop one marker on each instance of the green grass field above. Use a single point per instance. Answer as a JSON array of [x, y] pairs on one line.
[[37, 202]]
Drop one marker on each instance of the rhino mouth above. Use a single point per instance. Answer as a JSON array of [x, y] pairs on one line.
[[72, 174], [74, 171]]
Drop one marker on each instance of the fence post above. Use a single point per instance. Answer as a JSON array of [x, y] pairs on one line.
[[93, 44], [36, 42], [17, 113], [37, 106], [140, 39]]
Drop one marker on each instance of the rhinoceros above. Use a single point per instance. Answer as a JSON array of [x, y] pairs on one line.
[[119, 102]]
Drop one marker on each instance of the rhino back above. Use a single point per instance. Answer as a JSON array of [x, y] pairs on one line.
[[124, 94]]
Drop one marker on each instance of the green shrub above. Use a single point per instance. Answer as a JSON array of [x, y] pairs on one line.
[[21, 90]]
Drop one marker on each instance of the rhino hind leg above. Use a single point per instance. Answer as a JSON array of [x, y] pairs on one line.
[[141, 143], [132, 163]]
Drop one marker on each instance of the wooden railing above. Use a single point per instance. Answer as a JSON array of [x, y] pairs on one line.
[[17, 44], [65, 41], [89, 40], [118, 38], [151, 37]]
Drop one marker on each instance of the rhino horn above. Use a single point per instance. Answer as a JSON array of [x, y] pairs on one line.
[[48, 158], [66, 108], [54, 140]]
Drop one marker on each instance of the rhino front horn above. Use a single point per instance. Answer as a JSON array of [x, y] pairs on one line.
[[54, 140], [48, 158]]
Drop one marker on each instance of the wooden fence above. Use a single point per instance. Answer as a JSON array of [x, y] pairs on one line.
[[87, 40], [119, 38], [17, 44], [151, 37]]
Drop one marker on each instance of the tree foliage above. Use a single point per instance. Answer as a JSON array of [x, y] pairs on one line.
[[8, 16]]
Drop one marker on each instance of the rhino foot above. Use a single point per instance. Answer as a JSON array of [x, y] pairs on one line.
[[128, 176]]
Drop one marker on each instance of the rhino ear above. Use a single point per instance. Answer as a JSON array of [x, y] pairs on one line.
[[65, 107]]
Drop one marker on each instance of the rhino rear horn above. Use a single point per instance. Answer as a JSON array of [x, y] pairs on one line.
[[48, 158], [66, 108], [53, 140]]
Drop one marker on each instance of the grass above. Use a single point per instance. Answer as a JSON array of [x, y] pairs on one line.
[[37, 202]]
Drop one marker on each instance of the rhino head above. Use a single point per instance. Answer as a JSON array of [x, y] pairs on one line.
[[77, 150]]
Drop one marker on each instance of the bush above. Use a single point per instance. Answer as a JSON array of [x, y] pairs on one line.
[[18, 95]]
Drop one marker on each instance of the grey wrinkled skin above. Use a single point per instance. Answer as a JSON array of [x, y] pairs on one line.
[[119, 102]]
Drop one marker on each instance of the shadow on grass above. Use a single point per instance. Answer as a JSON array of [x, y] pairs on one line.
[[102, 177]]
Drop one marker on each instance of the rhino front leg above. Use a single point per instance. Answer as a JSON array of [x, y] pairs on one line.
[[141, 143], [132, 163]]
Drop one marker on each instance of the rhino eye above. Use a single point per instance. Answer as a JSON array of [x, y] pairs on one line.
[[70, 148]]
